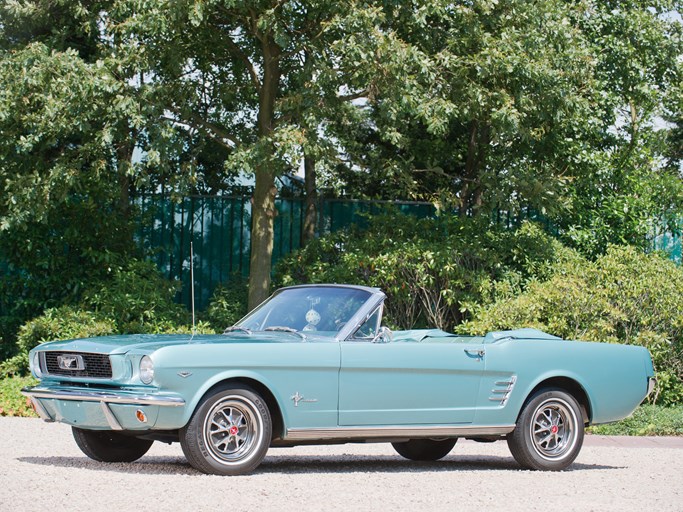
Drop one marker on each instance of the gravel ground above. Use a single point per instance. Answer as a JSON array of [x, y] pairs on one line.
[[41, 468]]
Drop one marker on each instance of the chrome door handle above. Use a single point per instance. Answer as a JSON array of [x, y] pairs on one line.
[[478, 352]]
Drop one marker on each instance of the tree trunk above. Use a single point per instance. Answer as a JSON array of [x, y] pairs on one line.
[[471, 193], [263, 213], [263, 203], [311, 214], [470, 170], [124, 155]]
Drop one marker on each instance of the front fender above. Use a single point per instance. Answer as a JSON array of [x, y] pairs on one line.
[[194, 396]]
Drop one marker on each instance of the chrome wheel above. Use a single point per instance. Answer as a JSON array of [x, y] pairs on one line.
[[231, 429], [549, 431], [229, 433], [553, 429]]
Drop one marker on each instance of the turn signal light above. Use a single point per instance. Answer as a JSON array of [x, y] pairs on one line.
[[141, 416]]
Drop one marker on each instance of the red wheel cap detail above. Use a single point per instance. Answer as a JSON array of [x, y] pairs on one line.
[[554, 429], [234, 430]]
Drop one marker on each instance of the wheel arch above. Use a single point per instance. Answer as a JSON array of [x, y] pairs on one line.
[[259, 387], [571, 386]]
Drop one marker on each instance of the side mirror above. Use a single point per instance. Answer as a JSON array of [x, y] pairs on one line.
[[383, 336]]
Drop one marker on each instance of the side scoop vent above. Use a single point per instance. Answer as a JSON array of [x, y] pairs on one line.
[[502, 389]]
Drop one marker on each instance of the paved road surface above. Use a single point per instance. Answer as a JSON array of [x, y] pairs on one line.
[[42, 469]]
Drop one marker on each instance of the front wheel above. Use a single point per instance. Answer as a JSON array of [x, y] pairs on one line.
[[549, 431], [108, 446], [229, 433], [425, 449]]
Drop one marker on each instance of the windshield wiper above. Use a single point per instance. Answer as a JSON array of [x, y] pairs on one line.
[[282, 328], [234, 328]]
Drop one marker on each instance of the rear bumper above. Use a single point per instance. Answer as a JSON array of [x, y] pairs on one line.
[[115, 410]]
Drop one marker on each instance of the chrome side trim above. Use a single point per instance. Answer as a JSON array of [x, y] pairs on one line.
[[111, 419], [41, 411], [409, 432], [104, 396]]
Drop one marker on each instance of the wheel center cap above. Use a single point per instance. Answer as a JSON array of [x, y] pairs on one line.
[[554, 429], [234, 430]]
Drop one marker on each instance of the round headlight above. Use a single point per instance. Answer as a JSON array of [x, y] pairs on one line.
[[146, 370], [35, 365]]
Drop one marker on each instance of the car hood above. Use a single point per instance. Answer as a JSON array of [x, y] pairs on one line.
[[124, 343]]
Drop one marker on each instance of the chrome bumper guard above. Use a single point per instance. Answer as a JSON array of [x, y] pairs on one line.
[[103, 397], [651, 383]]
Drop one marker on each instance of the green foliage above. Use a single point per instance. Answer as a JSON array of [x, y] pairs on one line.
[[647, 420], [60, 224], [625, 296], [12, 402], [228, 304], [430, 269], [133, 299], [61, 323], [137, 299], [53, 119]]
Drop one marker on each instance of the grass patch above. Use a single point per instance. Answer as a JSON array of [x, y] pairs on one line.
[[12, 402], [647, 420]]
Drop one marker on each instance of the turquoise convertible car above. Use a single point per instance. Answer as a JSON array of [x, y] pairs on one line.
[[312, 365]]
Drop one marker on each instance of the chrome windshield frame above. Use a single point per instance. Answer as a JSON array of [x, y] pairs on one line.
[[375, 300]]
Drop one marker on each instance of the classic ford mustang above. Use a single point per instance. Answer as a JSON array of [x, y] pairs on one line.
[[312, 364]]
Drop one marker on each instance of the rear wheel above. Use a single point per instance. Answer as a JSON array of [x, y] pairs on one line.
[[108, 446], [425, 449], [549, 431], [229, 433]]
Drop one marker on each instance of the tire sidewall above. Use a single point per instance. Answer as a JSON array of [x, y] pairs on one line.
[[109, 446], [523, 446], [425, 449], [194, 437]]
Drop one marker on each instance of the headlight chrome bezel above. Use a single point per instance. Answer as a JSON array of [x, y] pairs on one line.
[[35, 365], [146, 370]]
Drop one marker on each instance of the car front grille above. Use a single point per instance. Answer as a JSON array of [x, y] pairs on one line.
[[94, 366]]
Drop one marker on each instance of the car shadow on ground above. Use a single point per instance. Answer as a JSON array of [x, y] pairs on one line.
[[304, 464]]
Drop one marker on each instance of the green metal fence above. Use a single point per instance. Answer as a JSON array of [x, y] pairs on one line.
[[219, 229], [671, 245]]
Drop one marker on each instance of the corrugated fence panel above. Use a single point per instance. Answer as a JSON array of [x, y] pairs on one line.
[[671, 245], [219, 228]]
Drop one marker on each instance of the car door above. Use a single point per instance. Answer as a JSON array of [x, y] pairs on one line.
[[434, 382]]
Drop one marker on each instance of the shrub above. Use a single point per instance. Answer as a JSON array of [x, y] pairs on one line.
[[647, 420], [432, 270], [625, 296], [61, 323], [137, 299], [12, 402], [228, 304]]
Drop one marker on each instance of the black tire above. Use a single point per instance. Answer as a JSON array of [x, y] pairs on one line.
[[549, 431], [109, 446], [425, 449], [229, 433]]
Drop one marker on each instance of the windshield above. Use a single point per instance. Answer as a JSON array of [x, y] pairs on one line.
[[316, 309]]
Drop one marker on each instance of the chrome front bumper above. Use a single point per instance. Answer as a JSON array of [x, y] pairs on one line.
[[651, 383], [104, 398]]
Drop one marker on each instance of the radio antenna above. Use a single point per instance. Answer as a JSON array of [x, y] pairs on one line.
[[194, 329]]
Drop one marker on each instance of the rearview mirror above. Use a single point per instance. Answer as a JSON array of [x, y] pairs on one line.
[[383, 336]]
